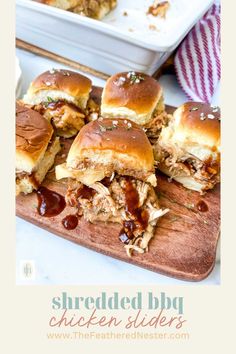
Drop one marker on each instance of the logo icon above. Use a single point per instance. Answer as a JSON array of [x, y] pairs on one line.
[[27, 269]]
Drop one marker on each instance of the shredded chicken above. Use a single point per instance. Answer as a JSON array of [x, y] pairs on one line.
[[154, 127], [179, 163], [94, 8], [66, 117], [107, 201]]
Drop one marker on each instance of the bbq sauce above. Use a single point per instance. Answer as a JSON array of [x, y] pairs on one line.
[[86, 192], [70, 222], [50, 203], [131, 197], [138, 216], [106, 181], [202, 206]]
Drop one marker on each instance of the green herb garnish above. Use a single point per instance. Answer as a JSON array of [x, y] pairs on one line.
[[135, 78]]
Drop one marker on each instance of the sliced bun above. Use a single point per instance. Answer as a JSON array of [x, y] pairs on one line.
[[133, 95], [196, 128], [59, 84], [33, 134], [106, 146]]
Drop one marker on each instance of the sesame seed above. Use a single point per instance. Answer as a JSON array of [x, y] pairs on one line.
[[125, 121], [210, 116], [52, 71], [215, 109], [129, 125], [48, 83], [202, 116], [115, 122]]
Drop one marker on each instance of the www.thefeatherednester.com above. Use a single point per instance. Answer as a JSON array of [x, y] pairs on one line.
[[116, 336]]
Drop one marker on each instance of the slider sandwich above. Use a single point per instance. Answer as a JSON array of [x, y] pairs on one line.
[[188, 149], [96, 9], [111, 174], [137, 97], [36, 148], [61, 96]]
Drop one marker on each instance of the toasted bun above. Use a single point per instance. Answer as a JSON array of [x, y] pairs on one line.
[[61, 4], [123, 96], [27, 184], [59, 84], [106, 146], [195, 128], [33, 133]]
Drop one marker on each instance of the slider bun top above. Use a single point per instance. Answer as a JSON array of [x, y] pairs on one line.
[[105, 146], [122, 97], [62, 4], [196, 129], [33, 133], [59, 84]]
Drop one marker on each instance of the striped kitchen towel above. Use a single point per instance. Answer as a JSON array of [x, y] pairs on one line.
[[197, 61]]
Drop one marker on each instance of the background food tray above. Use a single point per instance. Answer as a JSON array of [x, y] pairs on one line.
[[118, 42]]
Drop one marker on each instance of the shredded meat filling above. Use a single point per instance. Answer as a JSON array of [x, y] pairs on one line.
[[124, 200], [154, 127], [65, 116], [92, 8], [187, 165]]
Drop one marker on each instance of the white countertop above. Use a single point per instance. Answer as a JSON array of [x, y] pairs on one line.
[[61, 262]]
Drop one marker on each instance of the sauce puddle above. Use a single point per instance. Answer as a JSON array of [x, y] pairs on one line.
[[50, 203], [70, 222], [202, 206]]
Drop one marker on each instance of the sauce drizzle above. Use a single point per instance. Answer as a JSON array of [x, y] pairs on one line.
[[138, 217], [50, 203]]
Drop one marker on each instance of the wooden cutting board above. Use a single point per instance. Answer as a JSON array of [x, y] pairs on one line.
[[185, 241]]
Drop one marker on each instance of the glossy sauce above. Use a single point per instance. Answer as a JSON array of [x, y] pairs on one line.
[[86, 192], [50, 203], [202, 206], [70, 222], [106, 181], [139, 218]]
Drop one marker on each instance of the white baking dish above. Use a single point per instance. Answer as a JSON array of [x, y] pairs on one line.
[[116, 43]]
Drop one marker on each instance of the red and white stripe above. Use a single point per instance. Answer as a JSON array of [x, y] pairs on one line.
[[197, 61]]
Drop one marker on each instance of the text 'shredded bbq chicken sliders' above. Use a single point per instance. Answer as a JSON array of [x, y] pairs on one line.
[[91, 8], [137, 97], [61, 96], [188, 150], [111, 170], [36, 148]]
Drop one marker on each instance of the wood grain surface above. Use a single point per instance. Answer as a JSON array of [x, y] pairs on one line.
[[185, 240]]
